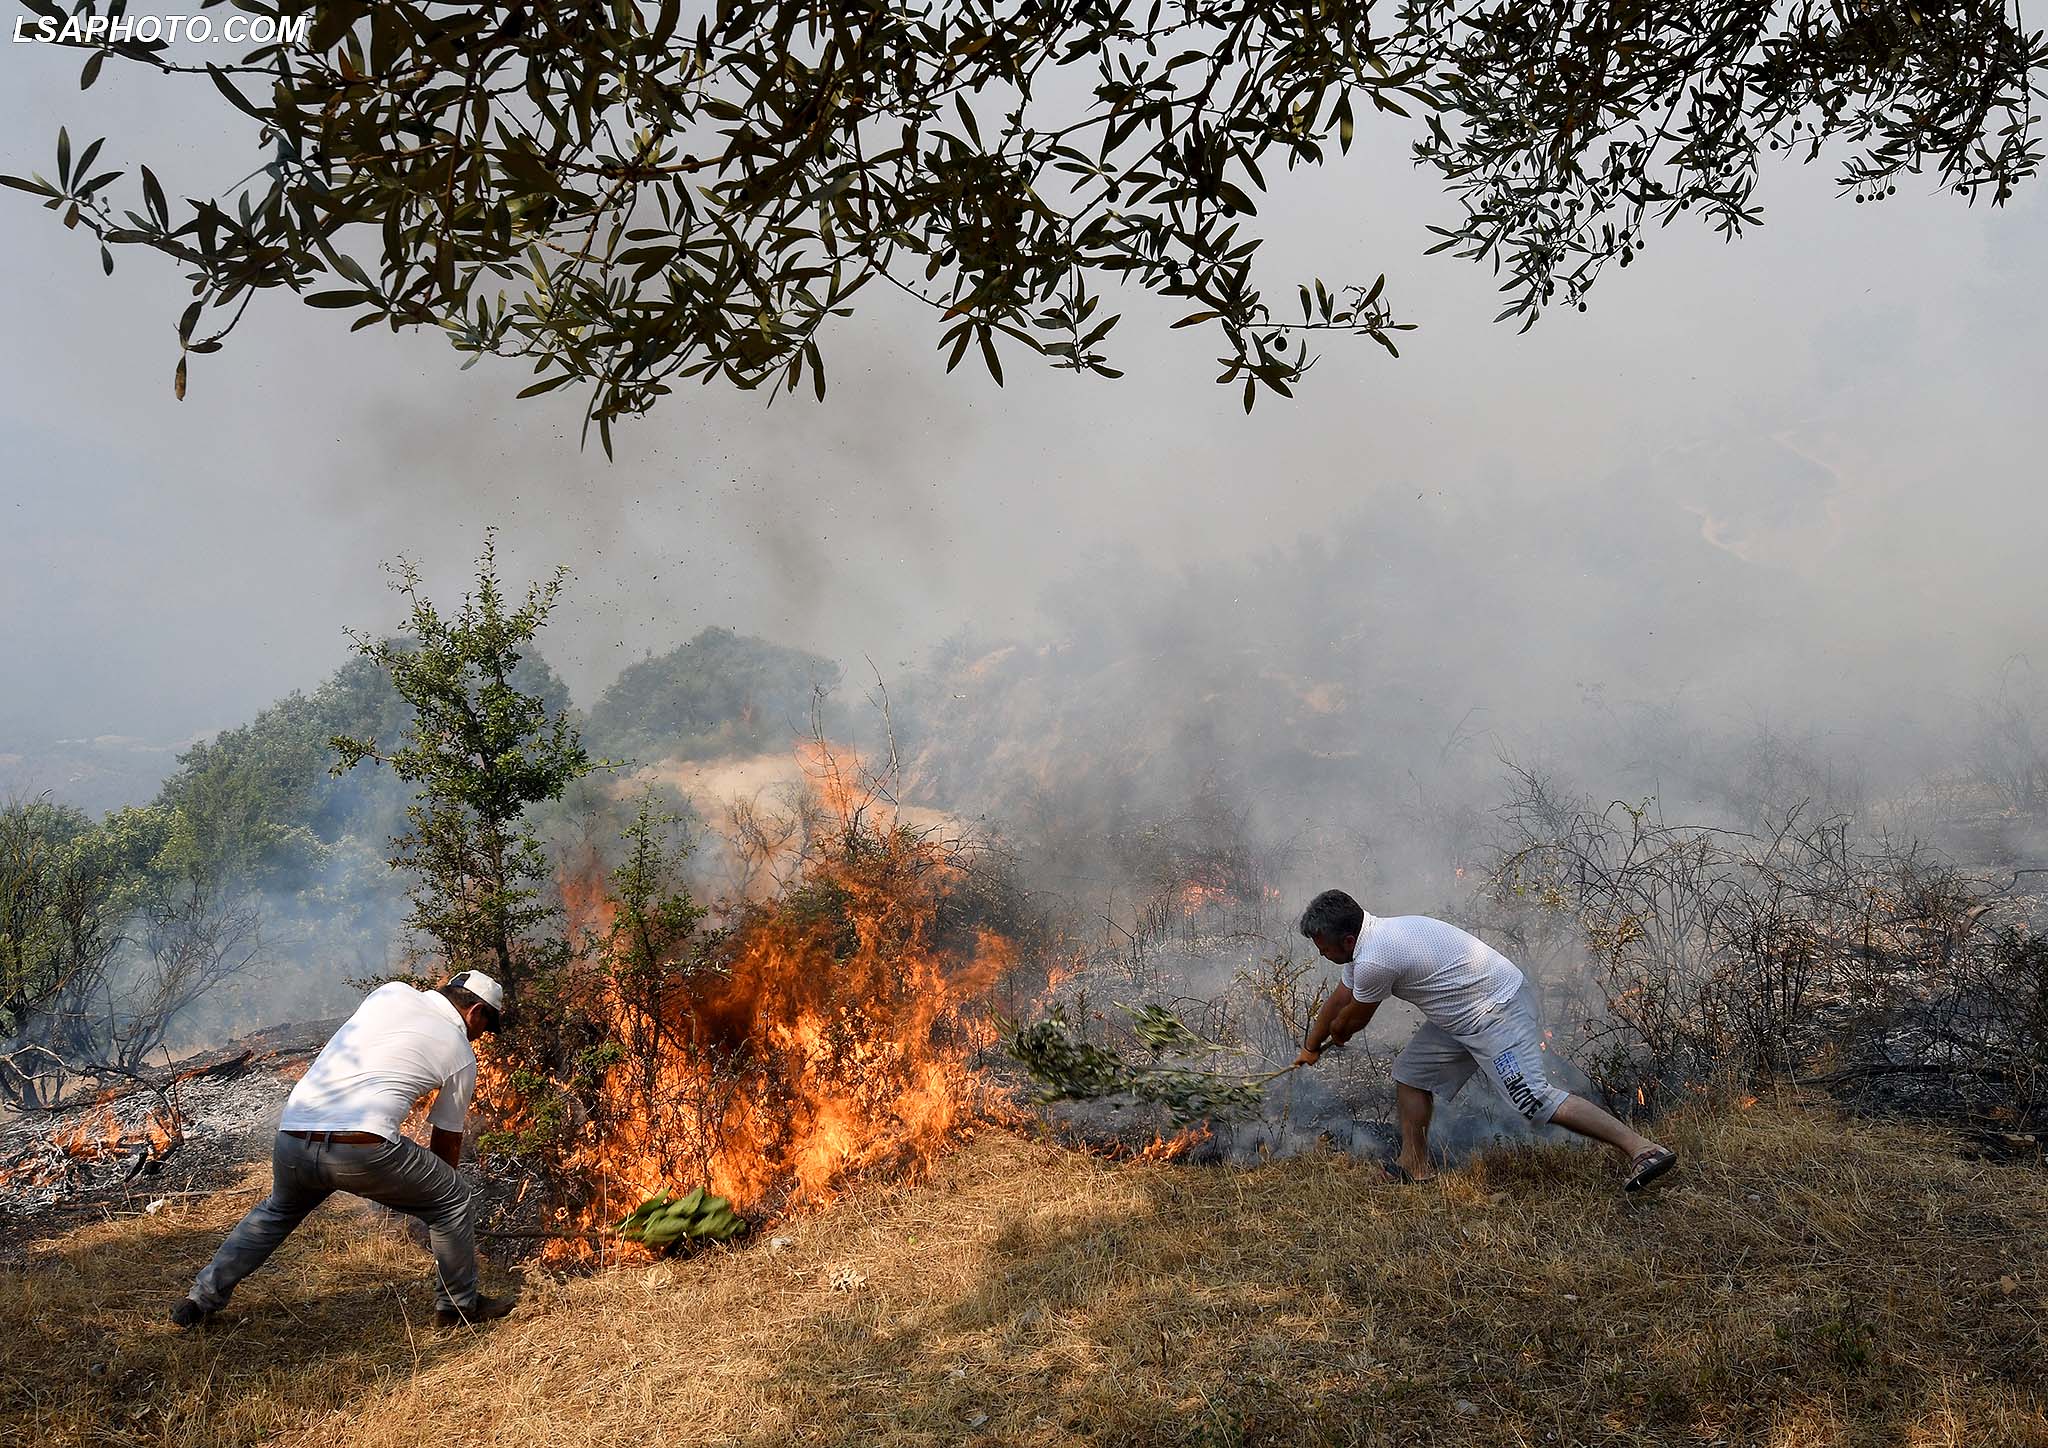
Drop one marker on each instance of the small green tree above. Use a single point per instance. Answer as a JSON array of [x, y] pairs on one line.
[[108, 933], [651, 945], [619, 1001], [478, 751], [66, 892]]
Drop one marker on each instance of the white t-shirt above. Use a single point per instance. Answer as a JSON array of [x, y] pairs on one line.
[[1434, 966], [400, 1044]]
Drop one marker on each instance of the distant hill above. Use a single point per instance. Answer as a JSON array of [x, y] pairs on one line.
[[720, 693], [96, 775]]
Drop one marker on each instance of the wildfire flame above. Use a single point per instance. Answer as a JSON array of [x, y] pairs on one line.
[[91, 1138], [97, 1138], [829, 1037], [1058, 973], [1172, 1148], [1195, 896]]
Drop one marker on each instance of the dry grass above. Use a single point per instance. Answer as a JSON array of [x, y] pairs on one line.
[[1800, 1283]]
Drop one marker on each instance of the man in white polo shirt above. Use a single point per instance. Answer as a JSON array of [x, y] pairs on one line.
[[1479, 1014], [339, 1133]]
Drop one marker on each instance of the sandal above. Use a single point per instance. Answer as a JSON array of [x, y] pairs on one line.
[[1649, 1166]]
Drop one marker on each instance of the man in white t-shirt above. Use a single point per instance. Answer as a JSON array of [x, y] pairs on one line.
[[1479, 1014], [339, 1133]]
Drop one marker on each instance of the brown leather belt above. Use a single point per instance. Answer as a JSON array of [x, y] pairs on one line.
[[340, 1138]]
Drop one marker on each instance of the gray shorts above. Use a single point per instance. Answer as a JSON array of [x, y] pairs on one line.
[[1505, 1040]]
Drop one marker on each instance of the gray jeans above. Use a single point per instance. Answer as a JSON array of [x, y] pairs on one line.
[[400, 1174]]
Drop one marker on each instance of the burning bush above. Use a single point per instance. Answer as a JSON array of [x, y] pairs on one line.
[[813, 1036]]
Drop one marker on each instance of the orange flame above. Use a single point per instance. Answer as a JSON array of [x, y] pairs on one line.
[[1195, 896], [91, 1138], [1172, 1148], [1057, 973], [831, 1037], [1160, 1148], [100, 1137]]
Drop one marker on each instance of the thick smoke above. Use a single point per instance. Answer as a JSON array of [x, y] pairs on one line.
[[1757, 531]]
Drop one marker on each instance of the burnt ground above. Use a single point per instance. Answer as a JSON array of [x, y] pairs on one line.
[[195, 1130], [108, 1157], [98, 1158]]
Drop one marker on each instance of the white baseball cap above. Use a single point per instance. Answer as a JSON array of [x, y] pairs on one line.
[[482, 987]]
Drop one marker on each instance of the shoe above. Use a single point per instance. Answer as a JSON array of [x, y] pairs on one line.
[[484, 1309], [1648, 1166], [189, 1314]]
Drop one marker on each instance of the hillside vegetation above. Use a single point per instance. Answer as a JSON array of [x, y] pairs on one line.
[[721, 692], [1803, 1283]]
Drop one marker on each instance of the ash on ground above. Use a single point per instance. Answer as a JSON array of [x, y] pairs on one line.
[[196, 1128], [1237, 989], [128, 1150], [1301, 1114]]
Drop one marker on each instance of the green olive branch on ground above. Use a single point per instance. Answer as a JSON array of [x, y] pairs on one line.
[[1068, 1068]]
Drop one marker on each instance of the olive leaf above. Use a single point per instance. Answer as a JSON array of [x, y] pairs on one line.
[[628, 202], [1068, 1068]]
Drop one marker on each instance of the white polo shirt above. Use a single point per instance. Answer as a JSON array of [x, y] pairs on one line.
[[400, 1044], [1443, 972]]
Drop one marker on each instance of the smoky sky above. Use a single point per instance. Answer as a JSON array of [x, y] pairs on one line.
[[1845, 406]]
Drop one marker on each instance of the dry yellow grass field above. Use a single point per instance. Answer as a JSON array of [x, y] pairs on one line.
[[1801, 1283]]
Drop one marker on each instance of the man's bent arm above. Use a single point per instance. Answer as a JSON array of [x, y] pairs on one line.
[[1351, 1020], [448, 1146], [1333, 1005]]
